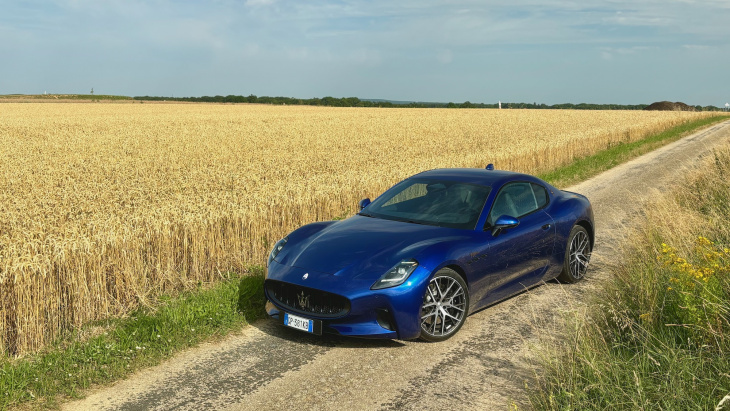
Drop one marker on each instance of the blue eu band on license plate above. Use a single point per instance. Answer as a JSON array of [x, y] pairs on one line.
[[303, 324]]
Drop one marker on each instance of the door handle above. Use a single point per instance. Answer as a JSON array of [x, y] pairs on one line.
[[547, 226]]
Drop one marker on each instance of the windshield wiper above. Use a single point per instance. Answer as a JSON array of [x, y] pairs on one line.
[[365, 215]]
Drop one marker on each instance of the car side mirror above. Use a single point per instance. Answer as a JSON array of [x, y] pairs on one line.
[[364, 203], [504, 222]]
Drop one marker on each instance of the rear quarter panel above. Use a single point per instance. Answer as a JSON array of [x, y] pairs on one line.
[[568, 209]]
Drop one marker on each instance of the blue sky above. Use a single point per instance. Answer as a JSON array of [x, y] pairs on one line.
[[544, 51]]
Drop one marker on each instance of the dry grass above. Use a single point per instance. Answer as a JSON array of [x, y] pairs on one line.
[[657, 333], [104, 207]]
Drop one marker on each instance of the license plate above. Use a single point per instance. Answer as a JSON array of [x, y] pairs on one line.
[[299, 323]]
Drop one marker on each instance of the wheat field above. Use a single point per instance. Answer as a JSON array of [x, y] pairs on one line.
[[104, 207]]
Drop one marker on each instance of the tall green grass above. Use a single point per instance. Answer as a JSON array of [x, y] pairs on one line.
[[112, 349], [658, 334]]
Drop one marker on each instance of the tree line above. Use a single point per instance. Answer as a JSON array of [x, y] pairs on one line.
[[356, 102]]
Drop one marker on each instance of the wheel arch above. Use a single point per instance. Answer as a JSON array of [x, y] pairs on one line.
[[459, 271], [585, 224]]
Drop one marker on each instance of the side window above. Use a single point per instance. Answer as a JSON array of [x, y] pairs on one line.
[[541, 195], [514, 200]]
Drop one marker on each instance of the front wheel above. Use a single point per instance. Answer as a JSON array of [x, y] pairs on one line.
[[444, 307], [577, 255]]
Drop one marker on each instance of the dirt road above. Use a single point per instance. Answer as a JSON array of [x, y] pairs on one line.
[[482, 367]]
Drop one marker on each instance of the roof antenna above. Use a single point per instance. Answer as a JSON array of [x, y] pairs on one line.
[[490, 166]]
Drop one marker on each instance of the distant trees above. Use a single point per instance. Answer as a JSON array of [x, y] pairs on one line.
[[324, 101], [356, 102]]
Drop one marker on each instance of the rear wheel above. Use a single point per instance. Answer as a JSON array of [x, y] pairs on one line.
[[577, 255], [445, 306]]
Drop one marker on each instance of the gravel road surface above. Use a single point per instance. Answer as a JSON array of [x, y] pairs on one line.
[[483, 367]]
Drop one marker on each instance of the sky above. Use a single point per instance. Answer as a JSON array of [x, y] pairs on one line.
[[544, 51]]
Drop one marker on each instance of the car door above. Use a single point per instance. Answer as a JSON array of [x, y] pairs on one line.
[[518, 256]]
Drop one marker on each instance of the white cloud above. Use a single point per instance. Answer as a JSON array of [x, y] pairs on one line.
[[634, 18], [365, 56], [607, 53], [259, 2], [307, 54], [249, 50], [696, 47], [445, 56]]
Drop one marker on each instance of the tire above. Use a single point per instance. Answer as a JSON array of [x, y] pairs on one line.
[[577, 255], [445, 306]]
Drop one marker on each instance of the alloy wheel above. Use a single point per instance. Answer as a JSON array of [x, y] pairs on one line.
[[580, 254], [444, 307]]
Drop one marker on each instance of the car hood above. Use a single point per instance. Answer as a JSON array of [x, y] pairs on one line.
[[362, 247]]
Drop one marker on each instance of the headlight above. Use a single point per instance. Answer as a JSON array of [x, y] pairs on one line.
[[396, 275], [277, 248]]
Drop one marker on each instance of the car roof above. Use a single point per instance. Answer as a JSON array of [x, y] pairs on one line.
[[478, 176]]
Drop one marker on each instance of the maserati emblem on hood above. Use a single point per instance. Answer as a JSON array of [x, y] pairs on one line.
[[305, 276], [303, 300]]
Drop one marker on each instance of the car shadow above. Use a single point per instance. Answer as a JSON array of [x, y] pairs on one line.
[[274, 329], [579, 287]]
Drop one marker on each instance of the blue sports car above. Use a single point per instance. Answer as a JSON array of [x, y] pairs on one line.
[[429, 251]]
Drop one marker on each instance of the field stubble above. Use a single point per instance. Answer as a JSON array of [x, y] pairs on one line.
[[105, 207]]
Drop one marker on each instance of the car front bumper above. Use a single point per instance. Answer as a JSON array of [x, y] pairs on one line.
[[385, 313]]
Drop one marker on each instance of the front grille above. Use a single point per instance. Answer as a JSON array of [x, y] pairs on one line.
[[305, 300]]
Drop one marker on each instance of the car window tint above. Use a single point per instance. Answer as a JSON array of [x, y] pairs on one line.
[[514, 200], [414, 191], [503, 205], [434, 202], [541, 195]]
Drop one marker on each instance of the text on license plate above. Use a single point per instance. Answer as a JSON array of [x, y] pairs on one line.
[[299, 323]]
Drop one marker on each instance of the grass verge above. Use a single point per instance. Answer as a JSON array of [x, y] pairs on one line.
[[108, 351], [658, 335], [587, 167]]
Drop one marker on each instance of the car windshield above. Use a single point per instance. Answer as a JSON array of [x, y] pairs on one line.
[[440, 203]]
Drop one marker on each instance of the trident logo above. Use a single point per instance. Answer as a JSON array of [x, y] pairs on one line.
[[303, 300]]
